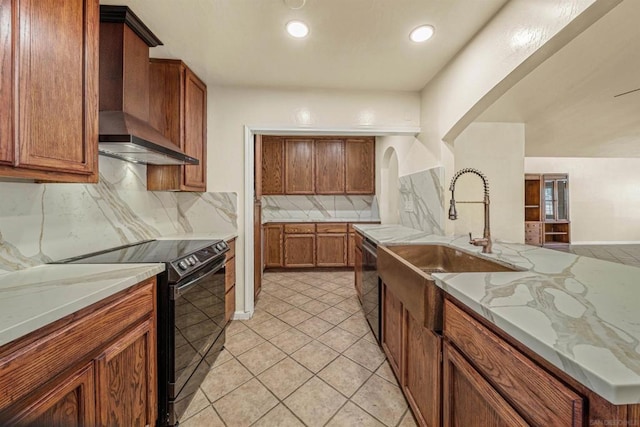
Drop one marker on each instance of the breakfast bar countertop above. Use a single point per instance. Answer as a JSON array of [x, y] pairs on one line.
[[581, 314]]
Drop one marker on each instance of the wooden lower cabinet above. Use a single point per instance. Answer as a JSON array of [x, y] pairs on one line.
[[421, 372], [331, 250], [300, 250], [536, 394], [273, 245], [351, 249], [469, 400], [392, 312], [69, 403], [230, 282], [126, 380], [94, 367], [358, 269]]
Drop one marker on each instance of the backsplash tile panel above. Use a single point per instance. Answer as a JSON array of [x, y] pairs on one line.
[[424, 192], [320, 208], [40, 223]]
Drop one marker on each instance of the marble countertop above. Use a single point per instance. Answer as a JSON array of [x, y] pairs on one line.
[[579, 313], [227, 235], [35, 297], [301, 221]]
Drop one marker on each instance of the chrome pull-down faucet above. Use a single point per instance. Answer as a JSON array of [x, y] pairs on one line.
[[485, 241]]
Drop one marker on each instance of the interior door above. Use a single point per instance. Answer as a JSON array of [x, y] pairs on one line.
[[257, 217]]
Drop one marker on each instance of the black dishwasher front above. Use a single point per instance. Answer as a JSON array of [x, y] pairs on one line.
[[371, 287]]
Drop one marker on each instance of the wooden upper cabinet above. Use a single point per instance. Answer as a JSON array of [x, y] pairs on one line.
[[299, 171], [360, 166], [195, 131], [272, 165], [6, 77], [317, 165], [178, 109], [330, 167], [49, 119]]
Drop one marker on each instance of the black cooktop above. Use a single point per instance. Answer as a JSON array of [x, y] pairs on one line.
[[151, 251]]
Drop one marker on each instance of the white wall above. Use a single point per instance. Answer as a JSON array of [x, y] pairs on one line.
[[230, 109], [604, 196], [521, 36], [497, 150]]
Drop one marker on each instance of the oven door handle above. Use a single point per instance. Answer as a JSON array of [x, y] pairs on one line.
[[182, 288]]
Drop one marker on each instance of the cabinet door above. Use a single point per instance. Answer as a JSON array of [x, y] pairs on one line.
[[299, 250], [126, 379], [69, 403], [57, 91], [272, 165], [230, 289], [357, 268], [469, 400], [360, 169], [331, 250], [392, 312], [274, 246], [195, 131], [6, 92], [351, 249], [330, 167], [421, 367], [299, 171]]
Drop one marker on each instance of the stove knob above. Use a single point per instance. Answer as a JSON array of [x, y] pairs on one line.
[[182, 265]]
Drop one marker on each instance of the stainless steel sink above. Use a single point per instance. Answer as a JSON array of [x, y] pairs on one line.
[[407, 271]]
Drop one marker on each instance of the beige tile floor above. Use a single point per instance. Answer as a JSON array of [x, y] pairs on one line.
[[306, 358]]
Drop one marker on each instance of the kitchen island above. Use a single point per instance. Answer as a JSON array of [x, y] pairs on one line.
[[575, 316]]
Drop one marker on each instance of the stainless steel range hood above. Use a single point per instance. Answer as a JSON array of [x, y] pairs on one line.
[[126, 137], [125, 132]]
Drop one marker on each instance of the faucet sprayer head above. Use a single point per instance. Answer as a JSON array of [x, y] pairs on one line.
[[453, 213]]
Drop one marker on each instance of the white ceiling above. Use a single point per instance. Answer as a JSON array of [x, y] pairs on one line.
[[568, 102], [353, 44]]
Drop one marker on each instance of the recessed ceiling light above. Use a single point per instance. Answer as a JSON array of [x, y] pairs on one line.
[[422, 33], [297, 29]]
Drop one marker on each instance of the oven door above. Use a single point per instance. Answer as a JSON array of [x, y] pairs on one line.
[[198, 310]]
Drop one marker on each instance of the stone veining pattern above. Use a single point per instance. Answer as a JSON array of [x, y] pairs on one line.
[[40, 223], [577, 312], [319, 208], [424, 192]]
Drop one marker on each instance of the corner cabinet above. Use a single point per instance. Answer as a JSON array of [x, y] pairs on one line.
[[178, 109], [93, 367], [49, 90]]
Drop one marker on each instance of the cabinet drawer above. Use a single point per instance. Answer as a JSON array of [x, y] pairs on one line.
[[331, 228], [532, 226], [535, 393], [299, 228]]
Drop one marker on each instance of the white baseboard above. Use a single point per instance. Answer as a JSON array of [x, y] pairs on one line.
[[612, 242], [242, 315]]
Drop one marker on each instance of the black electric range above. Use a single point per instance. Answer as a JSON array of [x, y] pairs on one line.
[[191, 312]]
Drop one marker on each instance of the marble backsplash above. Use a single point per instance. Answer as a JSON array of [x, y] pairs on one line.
[[40, 223], [422, 200], [320, 208]]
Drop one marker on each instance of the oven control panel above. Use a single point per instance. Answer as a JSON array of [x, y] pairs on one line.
[[194, 260]]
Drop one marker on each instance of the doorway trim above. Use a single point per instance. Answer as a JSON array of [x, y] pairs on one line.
[[249, 158]]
